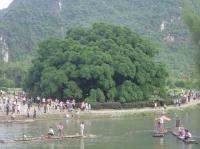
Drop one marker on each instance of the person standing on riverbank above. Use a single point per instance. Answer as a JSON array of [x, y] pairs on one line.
[[28, 113], [7, 108], [18, 108], [34, 113], [45, 107]]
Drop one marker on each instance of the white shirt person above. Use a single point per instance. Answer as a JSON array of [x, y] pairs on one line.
[[82, 127]]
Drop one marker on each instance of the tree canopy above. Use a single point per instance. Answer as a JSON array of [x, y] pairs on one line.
[[102, 63]]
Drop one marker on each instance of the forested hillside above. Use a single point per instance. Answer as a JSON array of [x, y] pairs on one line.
[[27, 22]]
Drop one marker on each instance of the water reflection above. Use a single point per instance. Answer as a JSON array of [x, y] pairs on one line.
[[53, 146], [159, 143], [82, 144], [187, 146], [66, 121]]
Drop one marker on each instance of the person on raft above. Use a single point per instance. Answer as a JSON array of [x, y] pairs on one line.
[[187, 134], [159, 123], [60, 128], [82, 127], [51, 132], [24, 136], [157, 126], [181, 132], [184, 133]]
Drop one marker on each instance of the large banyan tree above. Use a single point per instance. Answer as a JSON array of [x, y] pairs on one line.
[[104, 63]]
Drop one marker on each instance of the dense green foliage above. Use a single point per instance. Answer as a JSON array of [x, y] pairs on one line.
[[192, 19], [11, 75], [26, 22], [104, 63]]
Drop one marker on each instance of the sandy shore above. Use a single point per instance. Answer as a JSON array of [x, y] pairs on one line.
[[96, 113]]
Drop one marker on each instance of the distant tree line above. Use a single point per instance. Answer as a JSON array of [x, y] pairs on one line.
[[102, 63]]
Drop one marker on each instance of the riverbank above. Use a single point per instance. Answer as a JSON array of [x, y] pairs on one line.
[[129, 112], [109, 113]]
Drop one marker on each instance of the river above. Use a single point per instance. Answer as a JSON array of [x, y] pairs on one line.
[[112, 133]]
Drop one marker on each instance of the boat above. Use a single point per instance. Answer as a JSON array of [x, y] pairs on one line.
[[46, 138], [187, 141]]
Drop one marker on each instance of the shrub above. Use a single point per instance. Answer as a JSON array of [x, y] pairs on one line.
[[112, 105], [96, 105], [131, 105]]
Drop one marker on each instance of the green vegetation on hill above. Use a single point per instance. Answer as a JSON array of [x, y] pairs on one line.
[[27, 22], [104, 63], [192, 19]]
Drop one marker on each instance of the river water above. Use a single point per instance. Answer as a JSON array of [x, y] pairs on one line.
[[112, 133]]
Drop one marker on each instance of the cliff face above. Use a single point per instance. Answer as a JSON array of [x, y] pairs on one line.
[[4, 56], [27, 22]]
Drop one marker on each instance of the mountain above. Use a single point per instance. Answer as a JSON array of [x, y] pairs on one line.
[[1, 13], [25, 23]]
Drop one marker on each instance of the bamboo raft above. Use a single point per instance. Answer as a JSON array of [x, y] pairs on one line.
[[159, 134], [17, 121], [186, 141], [45, 138]]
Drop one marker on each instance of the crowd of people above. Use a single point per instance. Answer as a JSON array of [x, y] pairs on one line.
[[182, 98], [16, 104], [19, 104], [186, 97], [51, 104], [13, 105]]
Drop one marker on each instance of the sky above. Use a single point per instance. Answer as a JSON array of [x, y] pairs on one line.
[[5, 3]]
